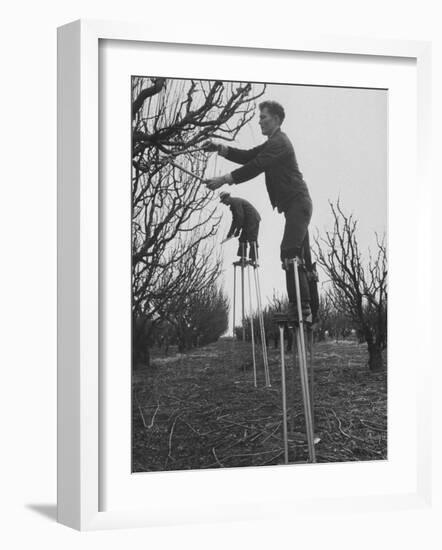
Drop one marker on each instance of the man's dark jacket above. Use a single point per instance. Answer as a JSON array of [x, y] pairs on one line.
[[244, 217], [276, 157]]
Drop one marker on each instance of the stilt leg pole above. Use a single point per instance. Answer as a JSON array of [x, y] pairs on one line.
[[295, 353], [284, 396], [234, 300], [261, 320], [242, 294], [303, 367], [312, 376], [251, 327]]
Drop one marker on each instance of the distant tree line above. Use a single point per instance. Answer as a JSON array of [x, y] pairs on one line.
[[176, 298], [331, 324], [197, 324]]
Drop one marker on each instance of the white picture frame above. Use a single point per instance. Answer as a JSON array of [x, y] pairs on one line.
[[79, 460]]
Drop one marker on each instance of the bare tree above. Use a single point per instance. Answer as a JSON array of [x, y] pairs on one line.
[[208, 315], [359, 289], [325, 313], [197, 271], [172, 212], [173, 288]]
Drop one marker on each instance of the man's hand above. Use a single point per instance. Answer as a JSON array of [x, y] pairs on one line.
[[210, 146], [227, 239], [215, 183]]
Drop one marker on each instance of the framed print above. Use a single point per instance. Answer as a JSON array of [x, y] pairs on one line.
[[200, 361]]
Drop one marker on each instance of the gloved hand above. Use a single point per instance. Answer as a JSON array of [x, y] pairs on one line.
[[210, 146], [216, 183]]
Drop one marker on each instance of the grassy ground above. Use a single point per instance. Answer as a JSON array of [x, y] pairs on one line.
[[201, 410]]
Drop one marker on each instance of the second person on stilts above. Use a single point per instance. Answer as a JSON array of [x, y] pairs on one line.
[[245, 225]]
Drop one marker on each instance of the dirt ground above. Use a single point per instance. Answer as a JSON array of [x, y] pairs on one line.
[[201, 409]]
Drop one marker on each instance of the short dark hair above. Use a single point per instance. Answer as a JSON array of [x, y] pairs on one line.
[[274, 108], [224, 196]]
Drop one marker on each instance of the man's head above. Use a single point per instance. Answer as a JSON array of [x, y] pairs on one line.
[[271, 116], [224, 197]]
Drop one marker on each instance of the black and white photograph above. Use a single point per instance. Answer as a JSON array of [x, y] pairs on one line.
[[220, 282], [259, 274]]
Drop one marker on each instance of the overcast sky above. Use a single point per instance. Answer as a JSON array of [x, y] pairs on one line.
[[340, 140]]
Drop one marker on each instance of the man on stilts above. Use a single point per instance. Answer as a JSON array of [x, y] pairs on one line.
[[245, 224], [288, 193]]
